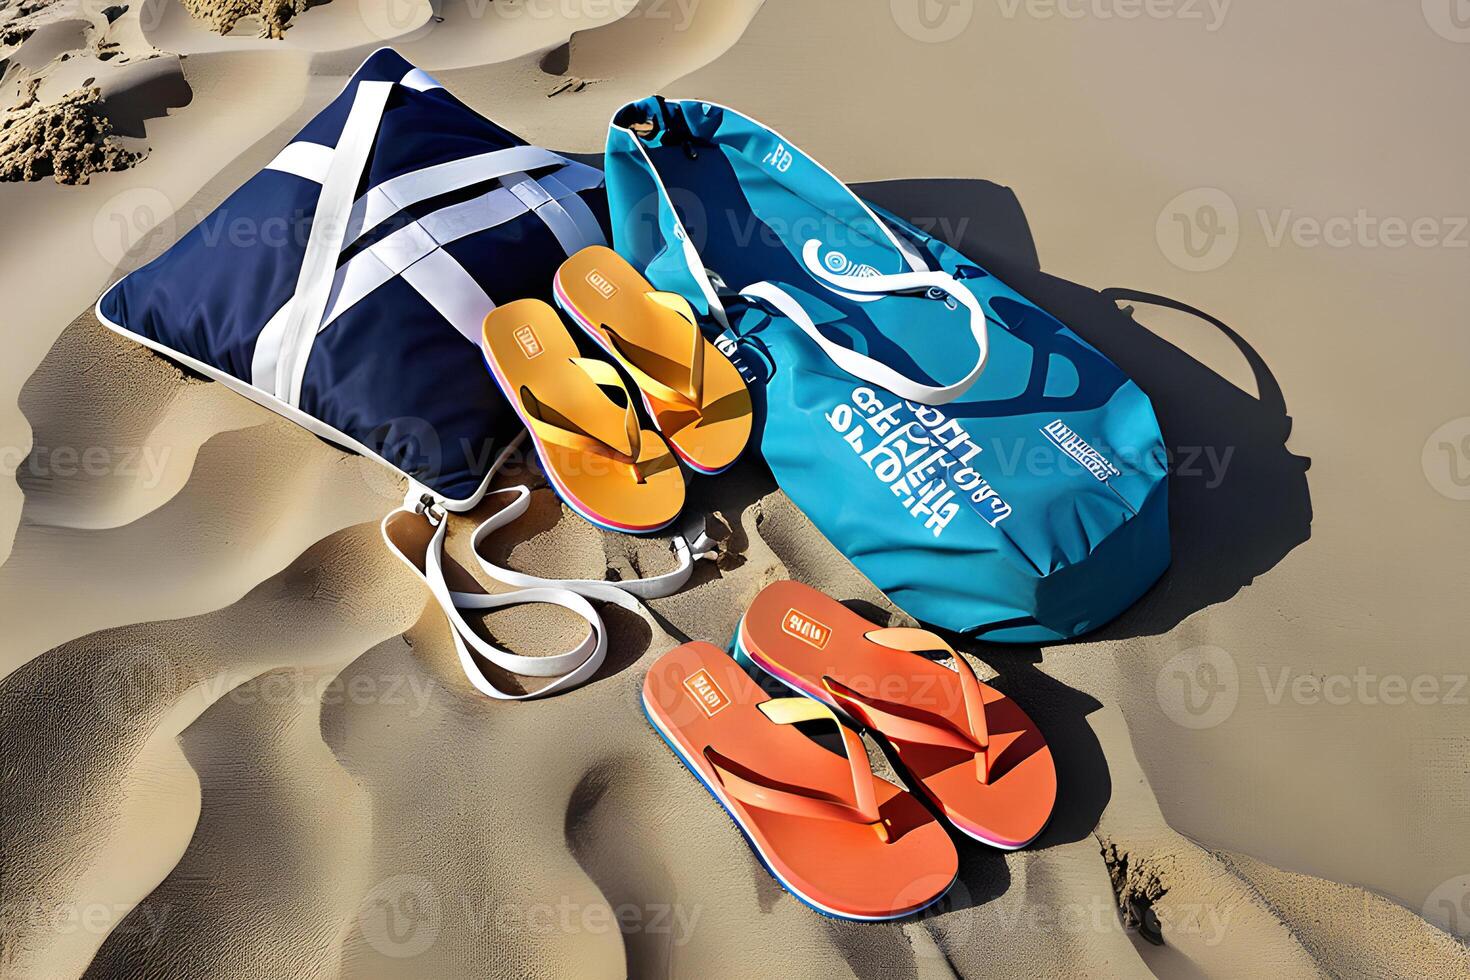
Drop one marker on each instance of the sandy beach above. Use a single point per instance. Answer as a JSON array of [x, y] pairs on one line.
[[238, 742]]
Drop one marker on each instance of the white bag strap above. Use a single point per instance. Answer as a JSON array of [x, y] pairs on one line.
[[328, 229], [570, 668], [575, 665], [860, 365], [624, 593]]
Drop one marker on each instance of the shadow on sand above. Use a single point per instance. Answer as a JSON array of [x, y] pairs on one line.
[[1230, 521]]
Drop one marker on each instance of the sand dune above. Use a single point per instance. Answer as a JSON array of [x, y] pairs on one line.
[[238, 740]]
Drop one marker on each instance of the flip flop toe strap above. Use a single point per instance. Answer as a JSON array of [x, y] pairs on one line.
[[624, 450], [752, 789], [915, 724], [687, 397]]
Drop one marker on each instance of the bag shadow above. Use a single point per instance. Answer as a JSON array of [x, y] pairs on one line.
[[1238, 497]]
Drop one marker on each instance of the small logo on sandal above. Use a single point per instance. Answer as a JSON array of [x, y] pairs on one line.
[[529, 343], [705, 692], [806, 629], [602, 284]]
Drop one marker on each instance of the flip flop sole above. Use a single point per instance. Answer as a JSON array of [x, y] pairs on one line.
[[795, 892], [856, 878]]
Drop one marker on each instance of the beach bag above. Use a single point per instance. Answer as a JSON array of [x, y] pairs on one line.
[[981, 464], [345, 287]]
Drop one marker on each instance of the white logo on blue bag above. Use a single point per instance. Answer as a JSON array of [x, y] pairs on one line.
[[779, 158]]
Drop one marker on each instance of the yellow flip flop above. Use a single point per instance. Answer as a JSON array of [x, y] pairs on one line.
[[597, 456], [693, 393]]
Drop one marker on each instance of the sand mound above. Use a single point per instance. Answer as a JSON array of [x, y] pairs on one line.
[[223, 15], [69, 140]]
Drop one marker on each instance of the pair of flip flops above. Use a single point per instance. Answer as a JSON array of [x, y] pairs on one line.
[[843, 840], [594, 448]]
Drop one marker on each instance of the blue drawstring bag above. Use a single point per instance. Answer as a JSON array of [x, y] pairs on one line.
[[985, 467], [344, 286]]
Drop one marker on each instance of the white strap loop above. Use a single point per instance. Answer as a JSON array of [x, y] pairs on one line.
[[860, 365], [579, 662], [575, 665], [625, 593]]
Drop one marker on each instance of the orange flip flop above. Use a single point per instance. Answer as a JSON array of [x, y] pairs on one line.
[[692, 392], [842, 840], [596, 454], [977, 756]]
